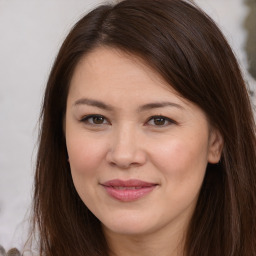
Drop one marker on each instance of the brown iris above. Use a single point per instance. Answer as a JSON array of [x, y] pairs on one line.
[[98, 119], [159, 121]]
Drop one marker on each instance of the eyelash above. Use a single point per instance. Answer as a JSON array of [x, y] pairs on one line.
[[86, 119], [162, 118], [105, 121]]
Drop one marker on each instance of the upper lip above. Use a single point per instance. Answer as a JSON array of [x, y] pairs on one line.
[[128, 183]]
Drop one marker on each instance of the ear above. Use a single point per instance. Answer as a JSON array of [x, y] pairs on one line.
[[215, 146]]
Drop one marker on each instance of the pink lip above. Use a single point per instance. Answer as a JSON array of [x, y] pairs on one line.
[[129, 190]]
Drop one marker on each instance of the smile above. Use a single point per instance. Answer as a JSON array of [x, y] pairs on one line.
[[129, 190]]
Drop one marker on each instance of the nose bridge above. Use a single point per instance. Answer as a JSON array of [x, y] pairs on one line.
[[125, 149]]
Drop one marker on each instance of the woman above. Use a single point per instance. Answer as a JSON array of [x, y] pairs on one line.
[[147, 143]]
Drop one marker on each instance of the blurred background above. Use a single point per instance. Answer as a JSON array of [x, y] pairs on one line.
[[31, 33]]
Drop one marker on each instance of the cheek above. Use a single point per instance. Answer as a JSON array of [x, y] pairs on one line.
[[182, 166], [85, 155], [181, 160], [86, 160]]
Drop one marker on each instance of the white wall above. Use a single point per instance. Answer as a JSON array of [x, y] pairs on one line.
[[30, 34], [230, 15]]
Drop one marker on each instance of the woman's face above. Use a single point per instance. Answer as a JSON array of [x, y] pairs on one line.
[[137, 150]]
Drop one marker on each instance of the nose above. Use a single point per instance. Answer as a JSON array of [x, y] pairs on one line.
[[126, 149]]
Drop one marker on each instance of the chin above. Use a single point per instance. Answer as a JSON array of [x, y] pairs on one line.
[[133, 226], [128, 230]]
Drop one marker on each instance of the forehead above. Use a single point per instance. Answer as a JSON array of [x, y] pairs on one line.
[[109, 70]]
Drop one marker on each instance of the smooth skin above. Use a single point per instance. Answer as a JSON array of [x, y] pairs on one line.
[[123, 121]]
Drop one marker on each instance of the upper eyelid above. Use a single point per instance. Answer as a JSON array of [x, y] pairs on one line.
[[162, 116], [86, 117], [92, 115]]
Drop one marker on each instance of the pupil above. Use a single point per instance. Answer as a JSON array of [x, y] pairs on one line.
[[98, 120], [159, 121]]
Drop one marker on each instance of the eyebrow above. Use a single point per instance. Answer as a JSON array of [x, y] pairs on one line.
[[102, 105], [159, 105], [94, 103]]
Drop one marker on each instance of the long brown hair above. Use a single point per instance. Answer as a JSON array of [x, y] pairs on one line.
[[187, 49]]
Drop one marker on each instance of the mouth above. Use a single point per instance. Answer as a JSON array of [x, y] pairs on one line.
[[129, 190]]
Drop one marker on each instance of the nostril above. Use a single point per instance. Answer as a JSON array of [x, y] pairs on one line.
[[126, 164], [121, 165]]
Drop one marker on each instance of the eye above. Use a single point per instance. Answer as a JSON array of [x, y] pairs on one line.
[[160, 121], [94, 120]]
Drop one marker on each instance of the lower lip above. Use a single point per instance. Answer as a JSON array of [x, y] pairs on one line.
[[128, 195]]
